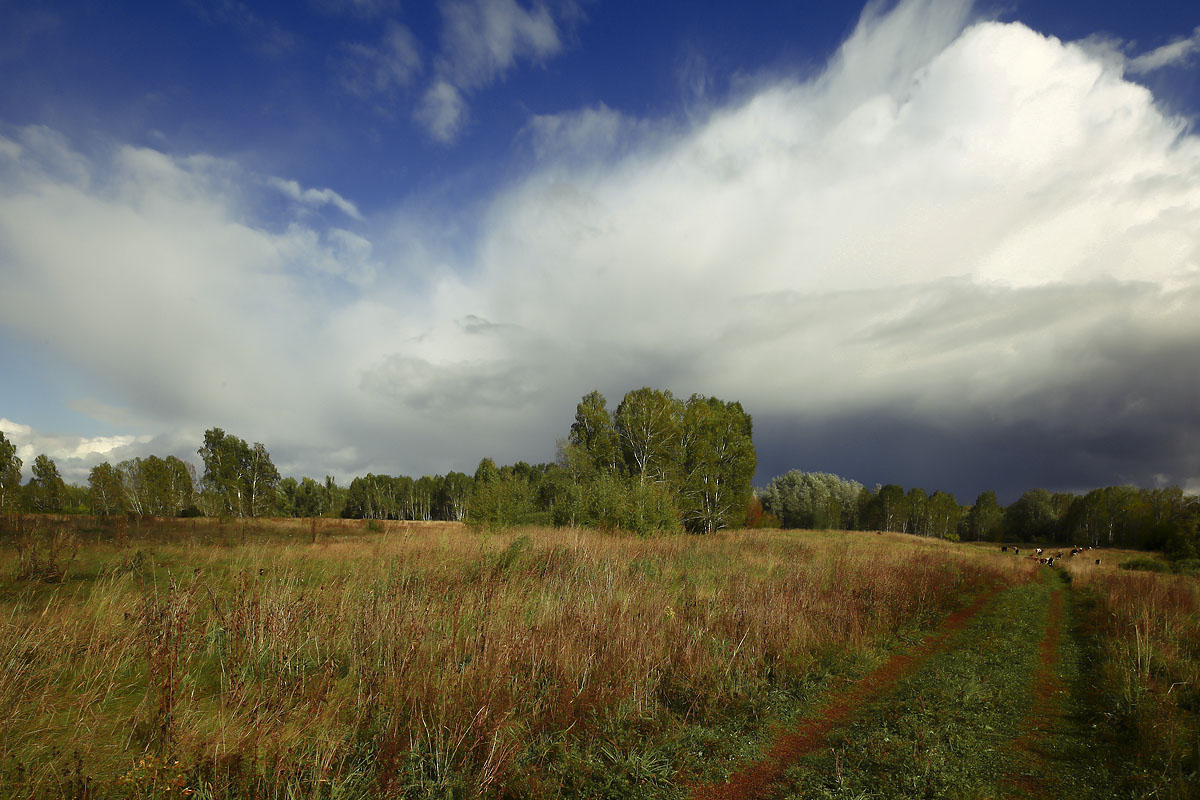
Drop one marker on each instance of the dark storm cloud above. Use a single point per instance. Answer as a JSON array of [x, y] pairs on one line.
[[1118, 406]]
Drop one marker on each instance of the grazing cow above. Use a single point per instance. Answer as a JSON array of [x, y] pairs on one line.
[[1097, 562], [1050, 562], [1039, 551], [1017, 550], [1004, 549]]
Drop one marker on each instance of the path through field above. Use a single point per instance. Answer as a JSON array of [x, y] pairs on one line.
[[995, 703]]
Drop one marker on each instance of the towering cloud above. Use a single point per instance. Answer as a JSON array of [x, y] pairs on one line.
[[963, 255]]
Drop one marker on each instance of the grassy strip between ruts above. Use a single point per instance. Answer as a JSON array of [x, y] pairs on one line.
[[973, 723]]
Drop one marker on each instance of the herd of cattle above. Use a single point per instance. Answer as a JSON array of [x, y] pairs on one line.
[[1048, 559]]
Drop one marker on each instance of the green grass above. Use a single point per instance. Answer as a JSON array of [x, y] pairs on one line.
[[950, 730]]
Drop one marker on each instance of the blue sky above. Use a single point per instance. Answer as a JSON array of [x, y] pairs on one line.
[[927, 243]]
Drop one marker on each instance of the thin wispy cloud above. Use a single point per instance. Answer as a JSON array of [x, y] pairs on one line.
[[442, 111], [481, 41], [315, 197], [267, 36], [1178, 53], [367, 9], [383, 67]]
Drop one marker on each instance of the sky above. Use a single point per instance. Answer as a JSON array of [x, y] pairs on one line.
[[925, 242]]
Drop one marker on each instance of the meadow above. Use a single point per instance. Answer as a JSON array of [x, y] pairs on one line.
[[299, 658]]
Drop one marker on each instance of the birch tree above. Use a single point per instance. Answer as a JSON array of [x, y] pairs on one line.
[[594, 433], [107, 495], [718, 464], [649, 426], [47, 490]]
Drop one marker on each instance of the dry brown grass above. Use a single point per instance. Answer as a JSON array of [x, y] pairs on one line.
[[423, 657]]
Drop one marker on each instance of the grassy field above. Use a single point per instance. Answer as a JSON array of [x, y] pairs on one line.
[[197, 658]]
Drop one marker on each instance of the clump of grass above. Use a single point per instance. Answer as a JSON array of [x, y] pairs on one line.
[[1148, 626], [45, 556]]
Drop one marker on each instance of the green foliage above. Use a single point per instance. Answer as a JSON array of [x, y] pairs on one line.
[[241, 477], [107, 493], [46, 490], [718, 464], [1145, 564], [1031, 518], [150, 486], [500, 504], [812, 500], [985, 519], [426, 498], [649, 424], [10, 475], [941, 518], [888, 508], [656, 464], [486, 472], [594, 434]]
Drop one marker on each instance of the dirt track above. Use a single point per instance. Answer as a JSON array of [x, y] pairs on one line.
[[755, 780], [992, 704]]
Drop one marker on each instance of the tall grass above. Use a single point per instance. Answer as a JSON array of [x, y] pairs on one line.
[[431, 661], [1148, 628]]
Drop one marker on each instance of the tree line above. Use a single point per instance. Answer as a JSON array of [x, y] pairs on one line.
[[1114, 516], [654, 463]]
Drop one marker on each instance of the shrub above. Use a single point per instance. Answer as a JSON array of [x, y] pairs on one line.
[[499, 504], [1146, 564]]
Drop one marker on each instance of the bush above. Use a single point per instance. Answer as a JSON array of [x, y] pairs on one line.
[[1146, 564], [500, 503], [1188, 566]]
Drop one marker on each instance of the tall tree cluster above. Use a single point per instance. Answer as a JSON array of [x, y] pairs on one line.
[[655, 462], [239, 479], [429, 497], [151, 486], [46, 490], [814, 500], [1113, 516]]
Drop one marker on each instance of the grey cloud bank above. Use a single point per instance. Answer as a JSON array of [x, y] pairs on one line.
[[963, 257]]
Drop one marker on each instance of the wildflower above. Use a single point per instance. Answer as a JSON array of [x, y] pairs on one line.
[[670, 612]]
